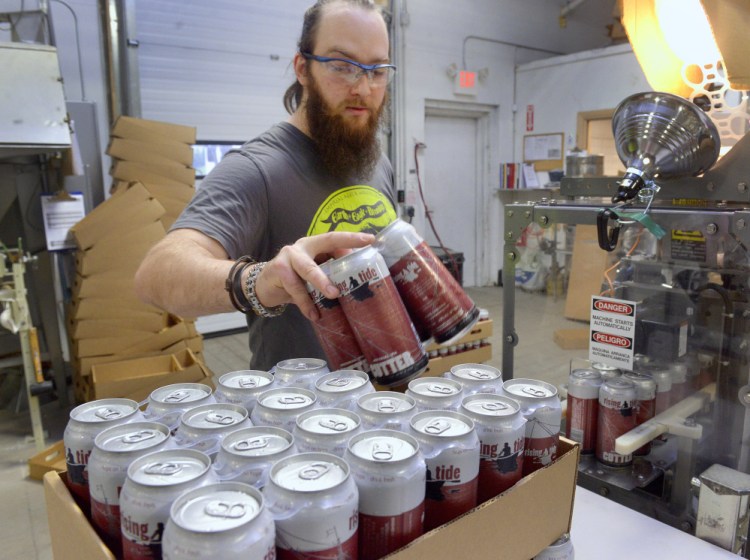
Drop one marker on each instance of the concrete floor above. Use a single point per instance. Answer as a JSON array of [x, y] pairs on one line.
[[24, 530]]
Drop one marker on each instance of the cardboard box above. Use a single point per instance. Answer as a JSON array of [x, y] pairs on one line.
[[438, 366], [137, 150], [149, 172], [110, 247], [572, 339], [183, 194], [515, 525], [480, 331], [110, 308], [122, 219], [586, 273], [51, 459], [152, 131]]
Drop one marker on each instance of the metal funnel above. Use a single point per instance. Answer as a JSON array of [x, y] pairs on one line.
[[660, 135]]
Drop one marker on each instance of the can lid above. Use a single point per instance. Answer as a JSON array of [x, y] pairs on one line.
[[246, 379], [214, 416], [135, 436], [619, 383], [529, 389], [104, 410], [301, 365], [605, 368], [169, 467], [257, 441], [217, 507], [386, 402], [342, 381], [383, 446], [328, 421], [435, 387], [309, 472], [286, 398], [442, 423], [475, 372], [585, 374], [180, 393], [485, 404]]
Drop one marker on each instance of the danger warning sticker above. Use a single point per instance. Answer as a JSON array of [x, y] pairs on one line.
[[612, 331]]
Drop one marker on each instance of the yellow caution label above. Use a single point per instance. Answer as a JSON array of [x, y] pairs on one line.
[[695, 236]]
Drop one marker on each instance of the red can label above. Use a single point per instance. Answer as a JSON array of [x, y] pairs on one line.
[[616, 417], [77, 461], [336, 336], [107, 518], [382, 327], [539, 452], [452, 484], [645, 410], [435, 300], [380, 535], [500, 466], [581, 420], [141, 539]]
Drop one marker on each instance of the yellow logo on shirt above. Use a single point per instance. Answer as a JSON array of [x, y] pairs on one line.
[[355, 208]]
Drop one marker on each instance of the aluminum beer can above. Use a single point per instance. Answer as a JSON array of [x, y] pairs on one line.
[[561, 549], [204, 426], [326, 430], [386, 409], [86, 421], [334, 332], [280, 407], [645, 403], [114, 449], [680, 385], [342, 388], [246, 455], [616, 417], [217, 521], [166, 404], [378, 317], [607, 371], [313, 499], [154, 482], [450, 446], [243, 387], [582, 414], [435, 393], [299, 372], [663, 379], [437, 304], [541, 407], [476, 378], [390, 473], [501, 429]]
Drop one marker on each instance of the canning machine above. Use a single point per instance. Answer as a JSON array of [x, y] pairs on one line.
[[676, 227]]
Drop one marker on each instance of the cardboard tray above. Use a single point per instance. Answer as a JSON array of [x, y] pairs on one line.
[[516, 525]]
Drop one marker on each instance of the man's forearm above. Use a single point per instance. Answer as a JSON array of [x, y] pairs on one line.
[[184, 278]]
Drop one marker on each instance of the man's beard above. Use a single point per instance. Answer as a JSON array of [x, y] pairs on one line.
[[347, 152]]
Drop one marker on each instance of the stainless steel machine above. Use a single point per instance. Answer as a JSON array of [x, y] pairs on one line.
[[677, 229]]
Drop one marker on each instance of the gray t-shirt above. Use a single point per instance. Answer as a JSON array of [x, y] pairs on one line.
[[270, 193]]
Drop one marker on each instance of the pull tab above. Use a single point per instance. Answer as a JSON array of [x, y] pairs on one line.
[[138, 437], [338, 382], [437, 427], [534, 392], [225, 510], [176, 396], [331, 424], [494, 406], [478, 374], [107, 413], [607, 238], [293, 400], [387, 405], [440, 389], [252, 443], [248, 382], [221, 419], [314, 471], [166, 469], [382, 451]]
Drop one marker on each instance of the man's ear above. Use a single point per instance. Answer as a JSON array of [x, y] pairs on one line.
[[300, 68]]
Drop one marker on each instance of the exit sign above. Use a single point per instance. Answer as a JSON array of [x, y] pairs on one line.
[[465, 83]]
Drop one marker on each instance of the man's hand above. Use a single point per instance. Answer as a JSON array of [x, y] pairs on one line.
[[283, 278]]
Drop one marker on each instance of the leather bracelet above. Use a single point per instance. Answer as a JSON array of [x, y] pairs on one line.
[[258, 308], [233, 284]]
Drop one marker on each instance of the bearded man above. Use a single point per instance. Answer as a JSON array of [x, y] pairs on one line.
[[308, 189]]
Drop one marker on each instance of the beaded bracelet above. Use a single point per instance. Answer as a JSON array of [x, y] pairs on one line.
[[258, 308], [233, 284]]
